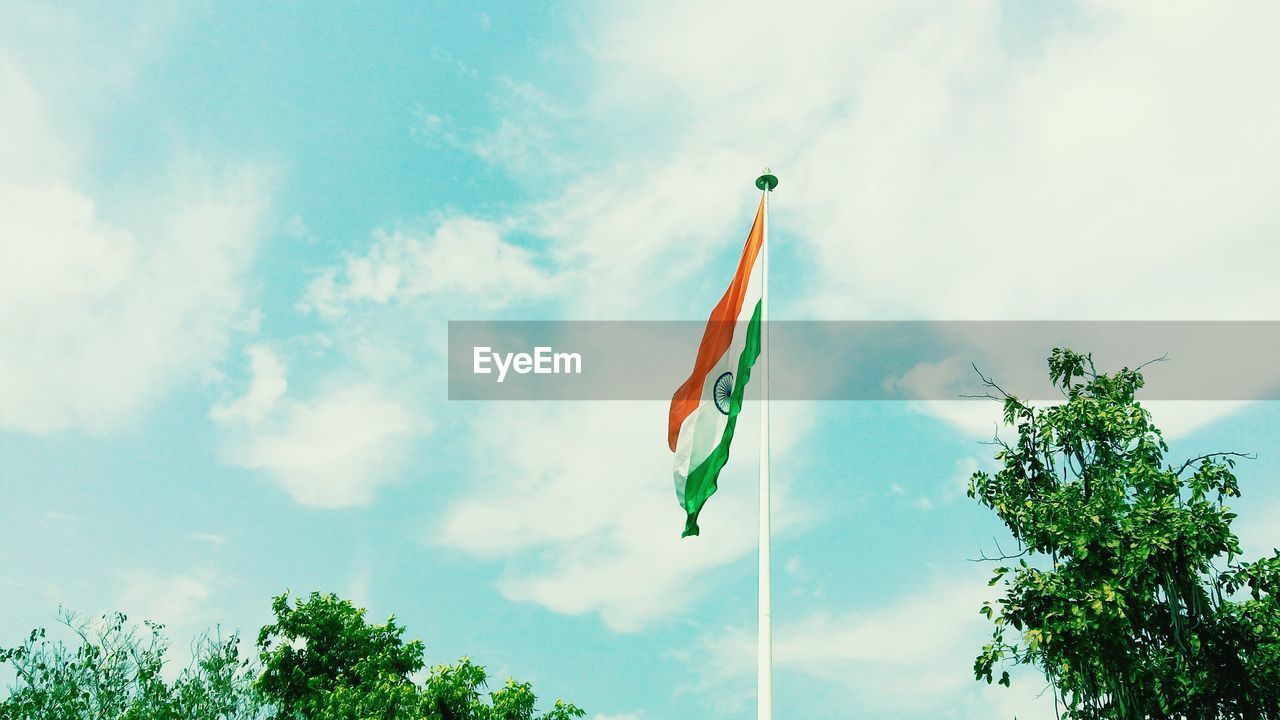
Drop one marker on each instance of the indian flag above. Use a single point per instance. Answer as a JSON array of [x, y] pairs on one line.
[[704, 411]]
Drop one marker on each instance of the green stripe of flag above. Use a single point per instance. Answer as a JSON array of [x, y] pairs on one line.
[[702, 479]]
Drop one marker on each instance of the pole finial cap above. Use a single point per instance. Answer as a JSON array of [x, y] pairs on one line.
[[767, 181]]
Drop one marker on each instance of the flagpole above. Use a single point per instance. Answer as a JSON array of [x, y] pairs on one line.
[[766, 183]]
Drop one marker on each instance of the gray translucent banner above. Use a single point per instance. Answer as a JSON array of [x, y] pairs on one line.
[[607, 360]]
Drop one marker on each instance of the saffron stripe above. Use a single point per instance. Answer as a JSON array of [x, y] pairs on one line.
[[719, 332]]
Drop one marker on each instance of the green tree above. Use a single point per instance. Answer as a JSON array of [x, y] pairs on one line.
[[113, 671], [322, 661], [1115, 595], [218, 684], [453, 692]]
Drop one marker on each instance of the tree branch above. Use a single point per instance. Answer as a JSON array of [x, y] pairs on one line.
[[1212, 455], [1024, 552], [1162, 358]]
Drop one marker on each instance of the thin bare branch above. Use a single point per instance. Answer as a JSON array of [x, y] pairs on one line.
[[1162, 358], [1024, 552], [1212, 455]]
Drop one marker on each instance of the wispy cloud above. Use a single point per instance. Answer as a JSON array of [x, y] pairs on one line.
[[178, 601], [96, 320], [463, 260], [908, 657], [983, 418], [930, 167], [583, 511], [329, 451], [100, 317], [212, 539]]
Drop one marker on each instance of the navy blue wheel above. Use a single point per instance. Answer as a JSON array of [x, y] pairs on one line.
[[723, 392]]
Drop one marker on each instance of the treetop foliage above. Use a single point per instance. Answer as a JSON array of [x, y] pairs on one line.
[[1116, 594], [319, 660]]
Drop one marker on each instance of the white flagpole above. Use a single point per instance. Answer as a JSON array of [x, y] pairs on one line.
[[766, 183]]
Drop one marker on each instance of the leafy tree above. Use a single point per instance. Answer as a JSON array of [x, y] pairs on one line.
[[218, 684], [321, 660], [453, 693], [115, 673], [1115, 595]]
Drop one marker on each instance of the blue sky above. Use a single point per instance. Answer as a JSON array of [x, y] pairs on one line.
[[231, 237]]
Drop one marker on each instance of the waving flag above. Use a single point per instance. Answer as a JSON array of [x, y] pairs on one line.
[[704, 411]]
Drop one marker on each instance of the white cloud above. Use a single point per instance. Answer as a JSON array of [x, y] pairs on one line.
[[30, 152], [268, 386], [1179, 418], [982, 418], [625, 238], [212, 539], [1175, 418], [178, 601], [911, 656], [98, 318], [1257, 529], [579, 504], [464, 258], [1091, 167], [359, 586], [84, 57], [191, 604], [330, 451], [581, 508]]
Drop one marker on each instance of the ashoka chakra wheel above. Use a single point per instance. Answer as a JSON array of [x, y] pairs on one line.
[[723, 391]]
